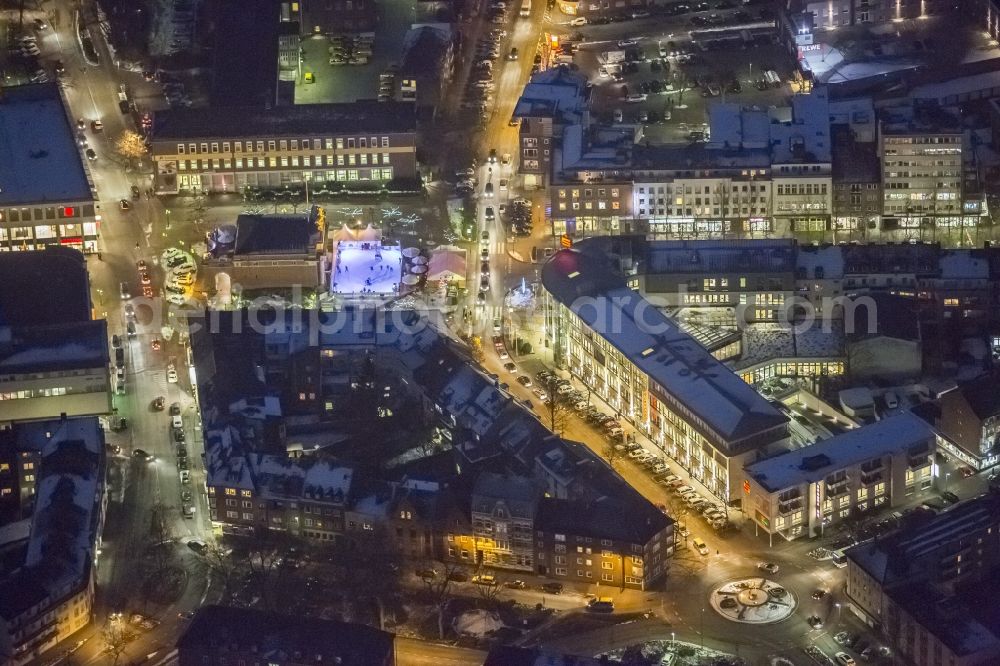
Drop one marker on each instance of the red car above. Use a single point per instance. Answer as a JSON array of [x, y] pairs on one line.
[[147, 291], [144, 277], [156, 345]]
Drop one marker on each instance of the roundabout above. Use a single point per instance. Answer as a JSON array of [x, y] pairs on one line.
[[752, 601]]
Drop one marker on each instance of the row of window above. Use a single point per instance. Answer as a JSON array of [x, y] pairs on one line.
[[802, 189], [352, 159], [46, 213], [281, 144], [48, 231]]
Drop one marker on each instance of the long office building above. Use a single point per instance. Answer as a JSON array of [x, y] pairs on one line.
[[654, 374], [226, 149]]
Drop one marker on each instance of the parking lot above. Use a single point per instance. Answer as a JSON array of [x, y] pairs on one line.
[[343, 68], [662, 76]]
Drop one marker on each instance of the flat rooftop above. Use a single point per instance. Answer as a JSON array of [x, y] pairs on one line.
[[53, 287], [39, 159], [724, 405], [295, 121], [275, 234], [743, 256], [814, 463]]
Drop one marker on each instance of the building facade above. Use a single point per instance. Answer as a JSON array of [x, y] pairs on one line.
[[328, 145], [48, 197], [664, 383], [928, 588], [800, 493]]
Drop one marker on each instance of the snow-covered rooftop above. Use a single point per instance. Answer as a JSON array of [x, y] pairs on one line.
[[813, 463], [39, 159], [68, 488], [680, 370]]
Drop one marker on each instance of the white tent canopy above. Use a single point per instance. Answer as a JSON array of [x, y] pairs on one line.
[[343, 234], [369, 234]]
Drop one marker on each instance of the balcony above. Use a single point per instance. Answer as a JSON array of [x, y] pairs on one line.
[[837, 488], [790, 505], [872, 477]]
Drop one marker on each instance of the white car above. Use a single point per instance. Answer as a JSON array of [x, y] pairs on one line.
[[769, 567], [578, 21], [700, 546], [844, 659], [171, 374]]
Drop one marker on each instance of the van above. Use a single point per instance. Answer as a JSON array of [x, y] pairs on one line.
[[601, 605], [772, 79]]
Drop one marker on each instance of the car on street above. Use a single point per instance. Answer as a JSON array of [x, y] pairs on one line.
[[625, 43], [966, 472], [158, 403], [524, 381], [700, 546], [552, 588], [91, 155], [155, 344], [488, 191], [143, 455], [578, 21], [540, 394], [819, 593], [844, 659], [124, 204], [601, 605], [187, 509], [198, 546], [40, 24], [490, 215], [516, 584], [485, 579], [510, 367], [769, 567], [171, 374], [949, 497], [815, 622]]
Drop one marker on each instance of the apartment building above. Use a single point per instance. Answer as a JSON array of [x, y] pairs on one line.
[[830, 15], [857, 183], [218, 149], [47, 198], [589, 542], [47, 594], [968, 418], [654, 374], [930, 587], [799, 493], [552, 100], [223, 635], [921, 149], [503, 520], [700, 190]]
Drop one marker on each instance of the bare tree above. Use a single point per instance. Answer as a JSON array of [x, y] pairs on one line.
[[439, 590], [613, 454], [373, 567], [490, 592], [161, 539], [557, 412], [221, 562], [115, 637]]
